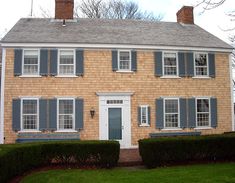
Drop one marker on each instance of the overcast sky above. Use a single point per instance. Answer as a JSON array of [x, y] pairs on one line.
[[213, 21]]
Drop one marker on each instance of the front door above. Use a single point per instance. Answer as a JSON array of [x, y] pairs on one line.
[[114, 118]]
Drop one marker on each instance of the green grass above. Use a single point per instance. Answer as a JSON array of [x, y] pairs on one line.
[[210, 173]]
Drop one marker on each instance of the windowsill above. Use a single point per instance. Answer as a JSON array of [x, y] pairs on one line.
[[29, 131], [201, 77], [66, 76], [171, 129], [30, 76], [66, 131], [120, 71], [203, 128], [144, 125], [170, 77]]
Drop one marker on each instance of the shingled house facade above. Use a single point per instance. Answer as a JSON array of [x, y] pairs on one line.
[[125, 80]]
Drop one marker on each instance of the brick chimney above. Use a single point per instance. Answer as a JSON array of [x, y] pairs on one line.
[[185, 15], [64, 9]]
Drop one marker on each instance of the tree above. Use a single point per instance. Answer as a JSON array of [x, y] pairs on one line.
[[113, 9]]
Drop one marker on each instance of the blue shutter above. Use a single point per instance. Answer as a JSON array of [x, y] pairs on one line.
[[43, 114], [158, 63], [16, 114], [181, 64], [18, 62], [79, 62], [79, 105], [43, 62], [213, 106], [53, 62], [114, 60], [139, 116], [211, 59], [191, 113], [190, 64], [133, 61], [183, 113], [159, 114], [149, 116], [53, 114]]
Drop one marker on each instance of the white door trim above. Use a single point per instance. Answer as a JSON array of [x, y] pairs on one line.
[[126, 120]]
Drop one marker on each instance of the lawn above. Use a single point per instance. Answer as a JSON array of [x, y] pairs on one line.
[[209, 173]]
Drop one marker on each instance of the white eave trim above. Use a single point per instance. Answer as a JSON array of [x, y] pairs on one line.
[[114, 93], [117, 46]]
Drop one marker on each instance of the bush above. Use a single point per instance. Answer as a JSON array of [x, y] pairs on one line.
[[18, 158], [175, 150]]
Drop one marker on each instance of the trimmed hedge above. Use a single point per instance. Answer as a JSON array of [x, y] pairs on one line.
[[176, 150], [18, 158]]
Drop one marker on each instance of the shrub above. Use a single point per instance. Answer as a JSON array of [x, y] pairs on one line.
[[173, 150], [18, 158]]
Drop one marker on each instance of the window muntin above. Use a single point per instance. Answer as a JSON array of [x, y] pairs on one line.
[[114, 102], [124, 60], [31, 62], [203, 112], [144, 115], [66, 62], [170, 63], [66, 114], [201, 64], [29, 114], [171, 112]]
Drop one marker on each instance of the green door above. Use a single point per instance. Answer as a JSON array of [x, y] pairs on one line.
[[115, 123]]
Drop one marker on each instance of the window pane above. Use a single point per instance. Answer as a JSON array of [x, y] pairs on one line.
[[200, 60], [66, 69], [201, 71], [170, 59], [170, 71], [65, 122], [29, 122], [171, 120], [171, 106], [202, 105], [65, 106], [29, 106], [203, 119], [144, 114], [30, 69], [124, 55], [124, 65], [28, 59]]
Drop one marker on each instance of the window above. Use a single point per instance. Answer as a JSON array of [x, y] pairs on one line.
[[144, 115], [31, 62], [124, 61], [66, 114], [171, 113], [29, 114], [203, 112], [201, 64], [66, 62], [170, 63], [114, 101]]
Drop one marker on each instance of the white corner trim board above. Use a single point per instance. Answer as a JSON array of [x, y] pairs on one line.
[[2, 97], [232, 99]]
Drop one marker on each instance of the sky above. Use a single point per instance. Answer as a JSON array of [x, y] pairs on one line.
[[214, 21]]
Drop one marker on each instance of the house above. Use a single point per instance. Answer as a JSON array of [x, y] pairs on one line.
[[125, 80]]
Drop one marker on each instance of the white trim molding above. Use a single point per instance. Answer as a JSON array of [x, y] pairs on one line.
[[232, 96], [114, 93], [2, 96], [117, 46]]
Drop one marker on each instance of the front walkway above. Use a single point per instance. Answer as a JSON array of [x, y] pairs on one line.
[[129, 157]]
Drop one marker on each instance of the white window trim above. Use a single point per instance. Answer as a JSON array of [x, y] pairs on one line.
[[203, 127], [147, 117], [124, 70], [163, 66], [58, 63], [22, 64], [164, 116], [207, 65], [21, 114], [57, 123]]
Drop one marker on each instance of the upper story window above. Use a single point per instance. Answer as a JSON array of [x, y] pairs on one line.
[[31, 62], [66, 62], [29, 114], [170, 64], [201, 64], [66, 116], [124, 60], [171, 113], [203, 112]]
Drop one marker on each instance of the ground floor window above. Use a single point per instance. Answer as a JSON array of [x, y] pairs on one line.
[[171, 113], [29, 114], [203, 112]]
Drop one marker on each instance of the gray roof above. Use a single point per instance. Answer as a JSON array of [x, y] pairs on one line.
[[105, 31]]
